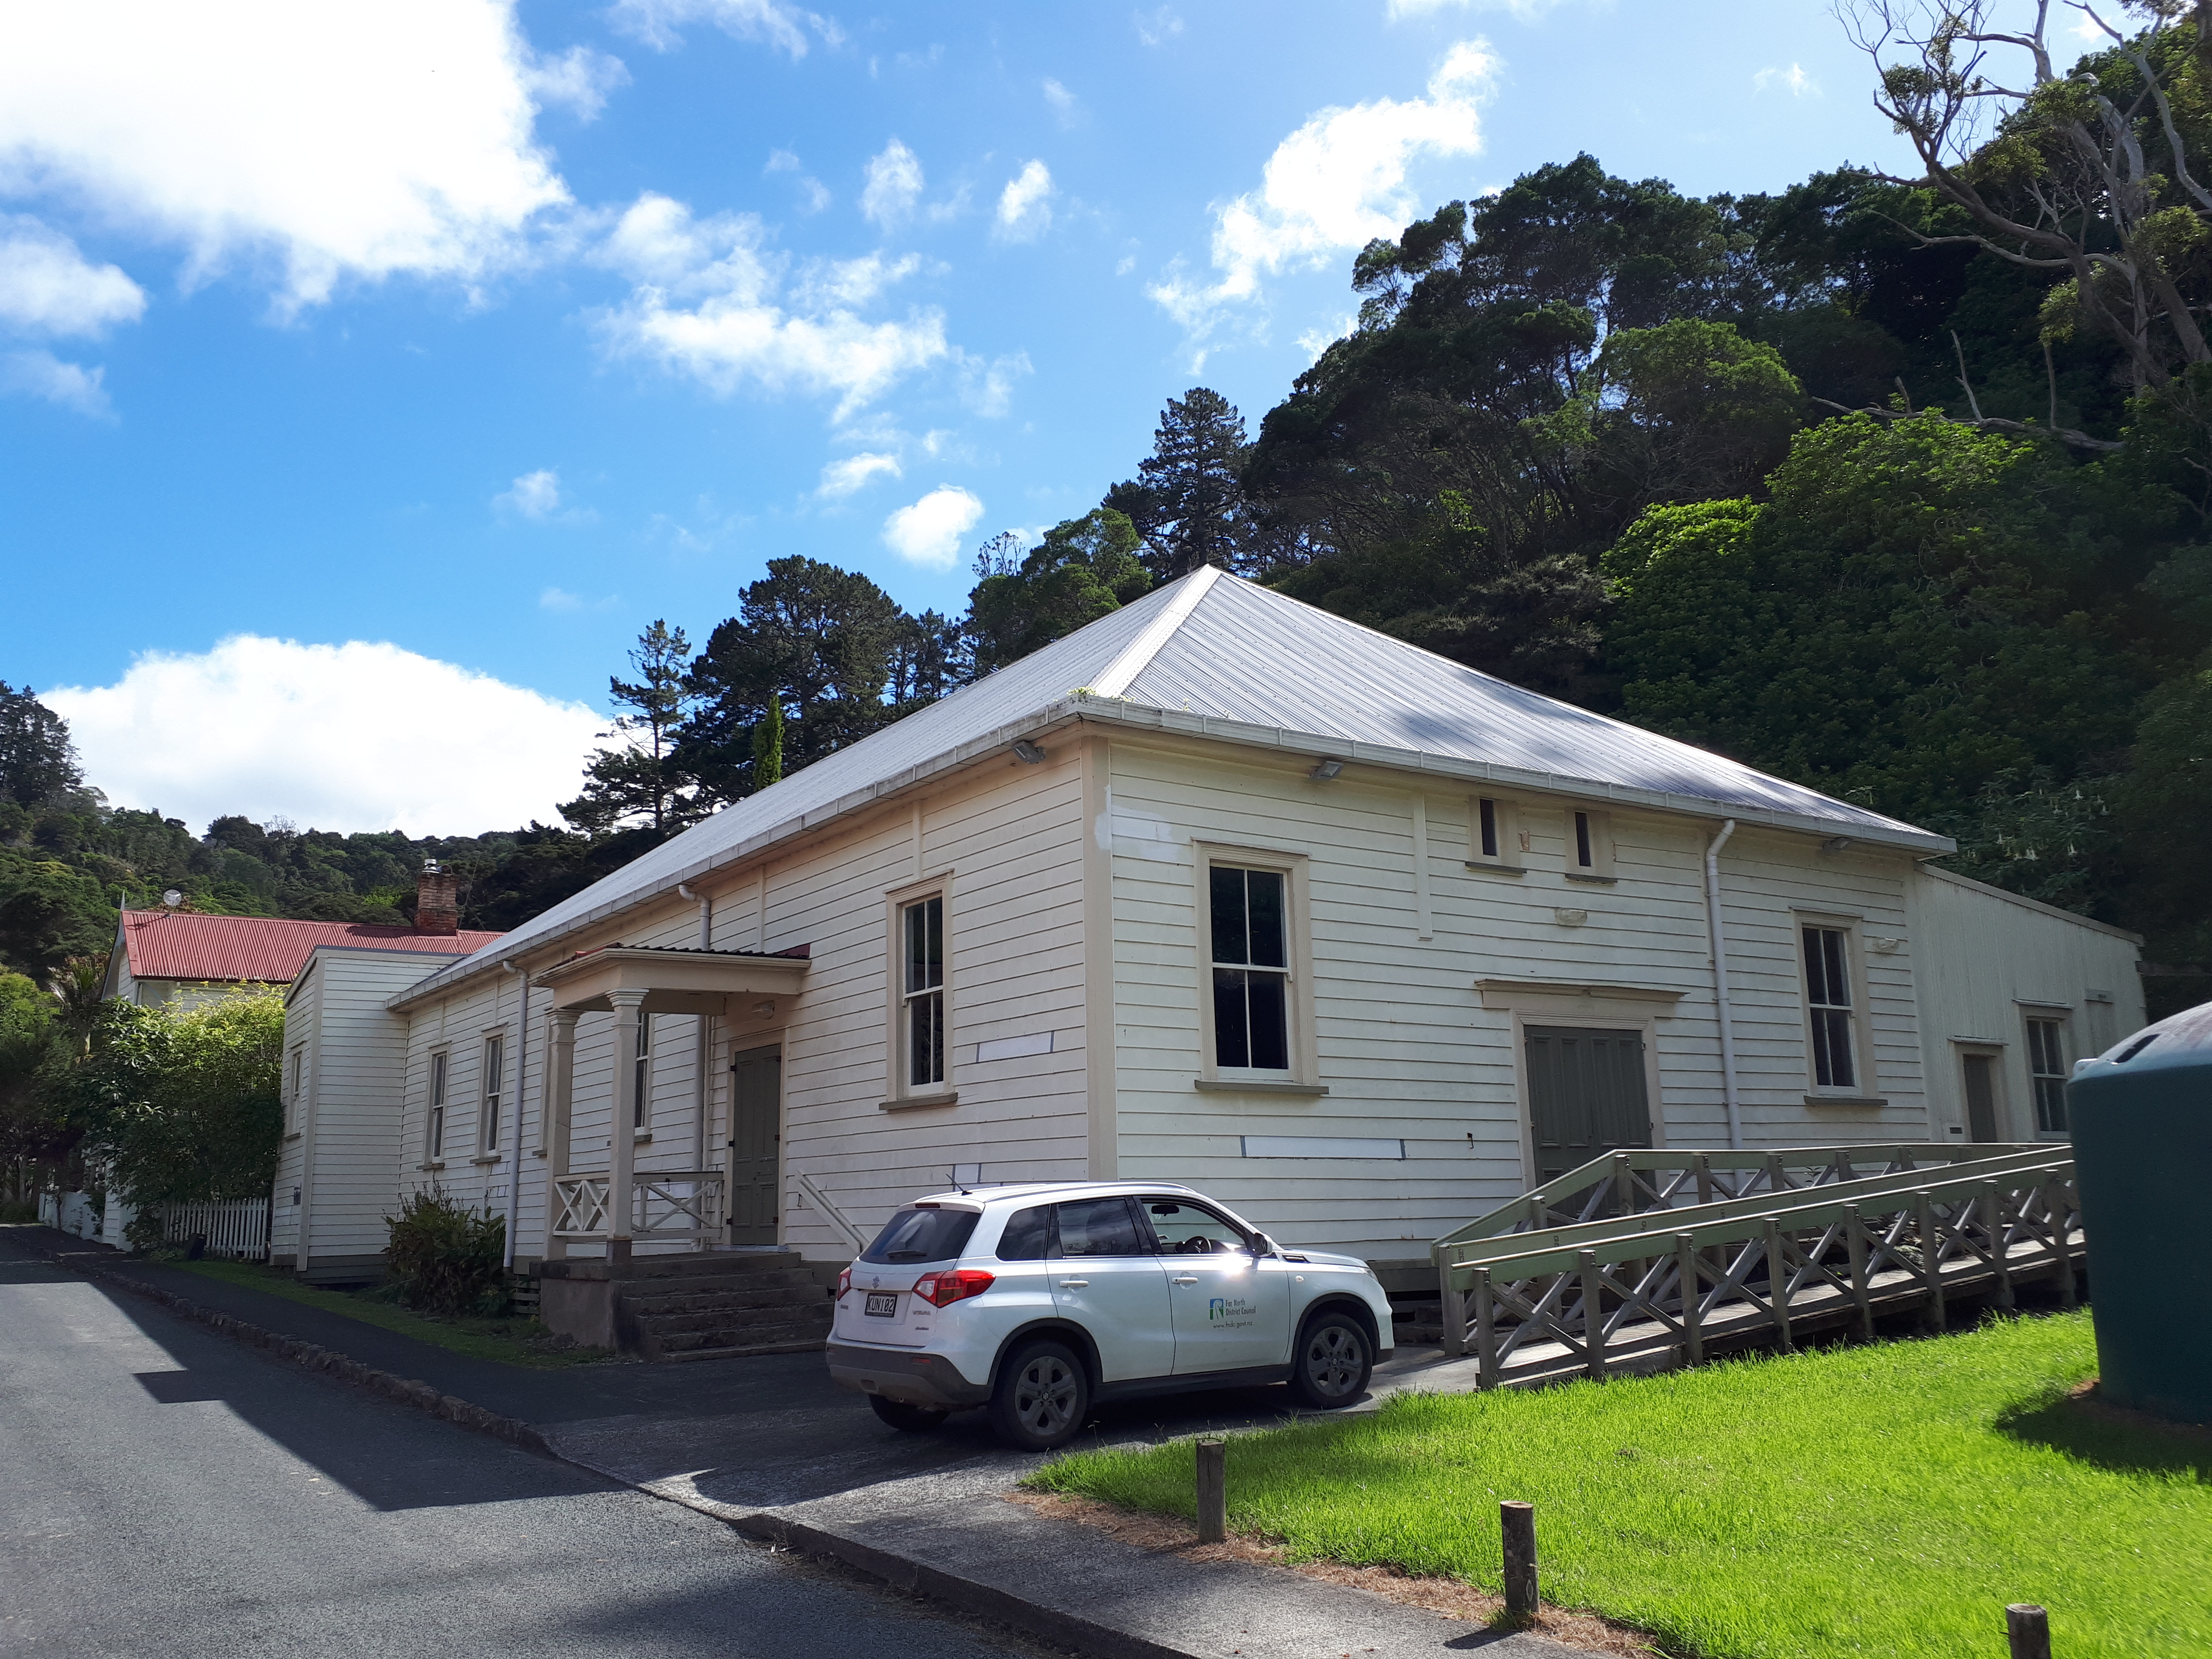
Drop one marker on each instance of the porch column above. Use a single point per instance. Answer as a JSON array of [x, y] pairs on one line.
[[622, 1141], [559, 1088]]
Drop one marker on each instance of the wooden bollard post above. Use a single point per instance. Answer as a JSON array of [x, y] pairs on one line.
[[2029, 1627], [1212, 1490], [1517, 1522]]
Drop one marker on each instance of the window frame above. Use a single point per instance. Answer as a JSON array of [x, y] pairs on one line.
[[295, 1096], [641, 1061], [1505, 834], [491, 1091], [438, 1089], [902, 1090], [2057, 1021], [1588, 828], [1302, 1075], [1862, 1089]]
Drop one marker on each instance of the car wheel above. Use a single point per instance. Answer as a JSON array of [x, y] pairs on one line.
[[908, 1419], [1333, 1362], [1042, 1398]]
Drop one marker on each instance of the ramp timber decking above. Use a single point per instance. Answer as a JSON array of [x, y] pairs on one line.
[[1645, 1260]]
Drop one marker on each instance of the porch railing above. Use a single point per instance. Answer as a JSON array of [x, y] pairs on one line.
[[665, 1203]]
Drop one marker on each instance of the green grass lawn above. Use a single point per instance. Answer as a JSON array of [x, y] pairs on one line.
[[1887, 1500], [512, 1340]]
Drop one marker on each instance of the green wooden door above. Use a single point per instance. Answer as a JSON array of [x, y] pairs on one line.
[[756, 1114], [1586, 1096], [1981, 1095]]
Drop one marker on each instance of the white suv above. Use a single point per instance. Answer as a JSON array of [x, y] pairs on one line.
[[1039, 1301]]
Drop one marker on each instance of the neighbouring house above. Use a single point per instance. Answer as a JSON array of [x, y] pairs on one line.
[[184, 957], [1222, 888]]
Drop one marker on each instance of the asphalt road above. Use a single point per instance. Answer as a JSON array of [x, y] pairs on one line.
[[163, 1491]]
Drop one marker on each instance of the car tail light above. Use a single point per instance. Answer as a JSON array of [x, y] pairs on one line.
[[844, 1283], [954, 1285]]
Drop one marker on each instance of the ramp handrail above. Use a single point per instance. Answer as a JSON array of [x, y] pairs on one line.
[[1666, 1178], [1752, 1267]]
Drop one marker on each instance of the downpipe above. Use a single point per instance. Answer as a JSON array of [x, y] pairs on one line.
[[1721, 1009], [514, 1144]]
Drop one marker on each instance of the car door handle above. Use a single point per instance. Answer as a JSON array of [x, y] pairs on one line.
[[1187, 1279], [1073, 1284]]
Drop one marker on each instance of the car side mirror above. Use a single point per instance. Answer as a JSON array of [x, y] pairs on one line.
[[1262, 1245]]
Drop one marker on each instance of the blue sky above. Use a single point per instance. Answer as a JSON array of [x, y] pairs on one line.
[[424, 353]]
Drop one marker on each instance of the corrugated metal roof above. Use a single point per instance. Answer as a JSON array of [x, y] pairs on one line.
[[1214, 649], [264, 949]]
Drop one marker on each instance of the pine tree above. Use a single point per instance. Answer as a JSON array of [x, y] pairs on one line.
[[37, 760], [1186, 501], [642, 779]]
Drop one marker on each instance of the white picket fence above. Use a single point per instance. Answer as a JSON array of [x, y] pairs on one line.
[[237, 1229]]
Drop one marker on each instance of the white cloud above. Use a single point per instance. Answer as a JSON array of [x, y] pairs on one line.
[[817, 192], [534, 495], [1526, 11], [929, 532], [656, 21], [42, 374], [710, 303], [989, 388], [47, 287], [358, 736], [846, 478], [827, 283], [327, 141], [1026, 205], [894, 184], [1158, 27], [1065, 104], [1335, 184], [578, 80], [559, 599], [1793, 81], [1315, 341]]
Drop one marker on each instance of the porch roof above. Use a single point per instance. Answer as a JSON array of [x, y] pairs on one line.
[[674, 982]]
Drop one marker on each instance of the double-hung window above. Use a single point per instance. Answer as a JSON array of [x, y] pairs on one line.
[[921, 925], [293, 1112], [2046, 1071], [433, 1145], [641, 1113], [1250, 915], [1828, 1005], [494, 1090]]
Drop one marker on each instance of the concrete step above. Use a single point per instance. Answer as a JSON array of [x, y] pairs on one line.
[[746, 1350], [705, 1319], [706, 1264], [781, 1337], [743, 1293]]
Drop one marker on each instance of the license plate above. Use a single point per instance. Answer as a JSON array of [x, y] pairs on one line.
[[882, 1304]]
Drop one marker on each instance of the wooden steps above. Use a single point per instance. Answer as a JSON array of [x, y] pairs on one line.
[[720, 1305]]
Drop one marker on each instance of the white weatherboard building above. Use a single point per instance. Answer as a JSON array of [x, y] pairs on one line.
[[1222, 890]]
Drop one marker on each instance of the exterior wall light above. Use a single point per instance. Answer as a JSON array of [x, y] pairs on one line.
[[1326, 770], [1835, 843], [1027, 753]]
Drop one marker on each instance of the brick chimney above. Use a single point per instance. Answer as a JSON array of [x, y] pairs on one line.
[[437, 904]]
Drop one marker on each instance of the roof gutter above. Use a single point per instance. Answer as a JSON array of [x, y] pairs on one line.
[[1085, 704]]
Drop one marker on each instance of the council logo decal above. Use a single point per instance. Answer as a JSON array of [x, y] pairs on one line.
[[1229, 1310]]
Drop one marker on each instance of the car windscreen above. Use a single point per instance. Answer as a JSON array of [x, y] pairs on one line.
[[919, 1234]]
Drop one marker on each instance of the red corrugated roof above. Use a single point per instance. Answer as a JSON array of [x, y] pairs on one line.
[[172, 944]]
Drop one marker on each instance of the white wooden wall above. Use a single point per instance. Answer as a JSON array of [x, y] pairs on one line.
[[1998, 953], [1406, 1046], [1007, 841], [350, 1120]]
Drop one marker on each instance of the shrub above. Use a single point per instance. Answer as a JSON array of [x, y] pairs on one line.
[[446, 1258]]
